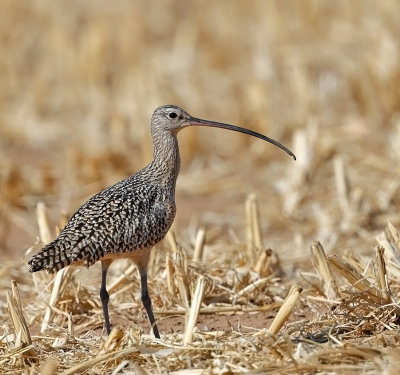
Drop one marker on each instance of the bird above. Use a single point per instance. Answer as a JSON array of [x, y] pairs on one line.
[[127, 219]]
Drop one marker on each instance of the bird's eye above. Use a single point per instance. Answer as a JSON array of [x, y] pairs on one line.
[[172, 115]]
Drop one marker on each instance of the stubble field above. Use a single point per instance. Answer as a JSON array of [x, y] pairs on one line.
[[296, 263]]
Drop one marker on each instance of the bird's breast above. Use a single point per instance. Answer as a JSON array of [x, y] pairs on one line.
[[149, 223]]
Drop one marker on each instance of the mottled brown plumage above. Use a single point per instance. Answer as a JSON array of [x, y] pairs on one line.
[[129, 218]]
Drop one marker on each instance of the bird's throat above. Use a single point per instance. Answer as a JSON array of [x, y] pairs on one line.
[[166, 163]]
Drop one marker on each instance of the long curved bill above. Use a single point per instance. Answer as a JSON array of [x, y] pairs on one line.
[[199, 122]]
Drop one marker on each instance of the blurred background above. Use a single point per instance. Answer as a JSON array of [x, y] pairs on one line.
[[80, 80]]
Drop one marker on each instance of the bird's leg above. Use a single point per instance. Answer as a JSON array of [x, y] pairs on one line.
[[105, 265], [142, 260], [147, 302]]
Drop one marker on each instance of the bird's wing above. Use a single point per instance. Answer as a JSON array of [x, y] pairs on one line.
[[109, 222]]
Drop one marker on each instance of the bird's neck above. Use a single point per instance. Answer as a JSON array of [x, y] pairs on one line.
[[166, 162]]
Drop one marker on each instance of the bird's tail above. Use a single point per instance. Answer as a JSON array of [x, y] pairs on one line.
[[50, 258]]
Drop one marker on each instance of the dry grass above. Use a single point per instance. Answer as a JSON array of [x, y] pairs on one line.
[[79, 83]]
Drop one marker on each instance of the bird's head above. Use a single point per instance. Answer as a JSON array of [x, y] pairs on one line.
[[172, 118]]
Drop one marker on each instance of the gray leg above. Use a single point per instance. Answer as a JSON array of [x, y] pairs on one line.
[[104, 297], [147, 302]]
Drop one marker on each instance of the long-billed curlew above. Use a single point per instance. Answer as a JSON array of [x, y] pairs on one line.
[[129, 218]]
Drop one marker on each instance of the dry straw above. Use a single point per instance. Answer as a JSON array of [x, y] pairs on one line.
[[61, 275], [198, 252], [285, 310], [194, 311], [23, 339]]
